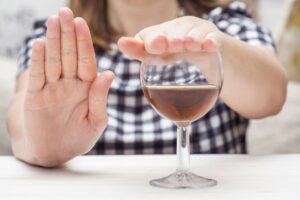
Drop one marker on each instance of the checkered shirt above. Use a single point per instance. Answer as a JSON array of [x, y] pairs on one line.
[[134, 127]]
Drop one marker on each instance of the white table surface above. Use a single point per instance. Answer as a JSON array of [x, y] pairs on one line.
[[126, 177]]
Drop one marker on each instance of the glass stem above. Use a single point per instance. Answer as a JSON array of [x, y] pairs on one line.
[[183, 146]]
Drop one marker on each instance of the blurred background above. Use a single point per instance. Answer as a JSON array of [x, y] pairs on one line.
[[278, 134]]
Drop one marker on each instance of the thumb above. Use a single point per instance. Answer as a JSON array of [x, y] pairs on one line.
[[97, 100]]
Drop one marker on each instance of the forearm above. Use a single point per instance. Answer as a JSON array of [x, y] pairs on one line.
[[254, 80]]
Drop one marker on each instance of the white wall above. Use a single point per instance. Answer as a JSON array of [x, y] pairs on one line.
[[273, 13], [16, 18]]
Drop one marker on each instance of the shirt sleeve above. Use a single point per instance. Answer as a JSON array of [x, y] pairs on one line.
[[39, 31], [236, 21]]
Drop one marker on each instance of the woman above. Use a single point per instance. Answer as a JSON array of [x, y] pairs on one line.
[[61, 107]]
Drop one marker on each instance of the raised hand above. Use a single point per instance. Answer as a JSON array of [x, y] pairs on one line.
[[65, 101]]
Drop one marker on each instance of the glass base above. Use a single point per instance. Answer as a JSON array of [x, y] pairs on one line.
[[183, 179]]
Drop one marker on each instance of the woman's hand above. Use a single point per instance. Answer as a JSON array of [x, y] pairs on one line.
[[253, 75], [181, 37], [64, 105]]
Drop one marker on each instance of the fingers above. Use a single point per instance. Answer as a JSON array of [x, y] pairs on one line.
[[198, 39], [86, 56], [69, 48], [37, 68], [133, 48], [53, 58], [176, 36], [191, 44], [164, 38], [68, 43], [212, 42], [176, 45], [98, 98], [155, 42], [179, 36], [194, 37]]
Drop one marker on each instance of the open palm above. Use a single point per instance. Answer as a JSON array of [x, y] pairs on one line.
[[65, 103]]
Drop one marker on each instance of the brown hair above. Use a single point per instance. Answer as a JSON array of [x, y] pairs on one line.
[[95, 13]]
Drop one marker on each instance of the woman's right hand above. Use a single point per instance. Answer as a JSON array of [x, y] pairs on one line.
[[64, 102]]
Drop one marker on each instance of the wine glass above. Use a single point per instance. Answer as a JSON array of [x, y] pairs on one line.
[[182, 90]]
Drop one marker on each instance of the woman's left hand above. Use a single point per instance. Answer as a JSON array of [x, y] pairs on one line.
[[251, 72], [171, 40]]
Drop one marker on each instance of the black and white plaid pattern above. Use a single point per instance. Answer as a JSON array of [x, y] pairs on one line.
[[135, 128]]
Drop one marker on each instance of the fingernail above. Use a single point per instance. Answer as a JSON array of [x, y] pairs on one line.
[[189, 39], [161, 42], [209, 42]]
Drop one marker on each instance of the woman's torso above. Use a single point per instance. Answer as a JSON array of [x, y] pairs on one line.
[[134, 127]]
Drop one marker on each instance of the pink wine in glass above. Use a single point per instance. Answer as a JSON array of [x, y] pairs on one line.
[[182, 103]]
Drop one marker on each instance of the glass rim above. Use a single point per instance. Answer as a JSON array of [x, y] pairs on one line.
[[152, 57]]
